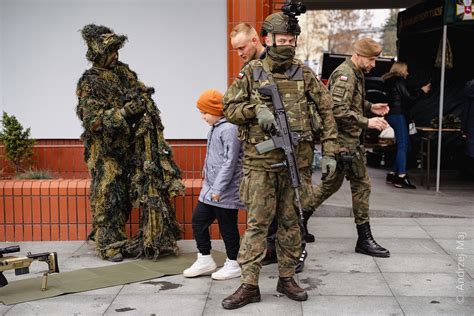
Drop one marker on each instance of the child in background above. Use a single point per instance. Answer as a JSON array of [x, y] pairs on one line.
[[219, 197]]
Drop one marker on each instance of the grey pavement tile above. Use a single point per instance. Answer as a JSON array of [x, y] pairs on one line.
[[458, 232], [429, 284], [5, 308], [351, 305], [157, 304], [396, 231], [464, 262], [331, 245], [418, 306], [391, 221], [453, 246], [271, 304], [417, 263], [170, 285], [373, 220], [410, 245], [340, 262], [349, 230], [186, 246], [63, 248], [334, 230], [342, 283], [73, 304], [445, 221]]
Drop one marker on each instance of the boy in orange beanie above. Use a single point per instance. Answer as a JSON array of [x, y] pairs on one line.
[[219, 197]]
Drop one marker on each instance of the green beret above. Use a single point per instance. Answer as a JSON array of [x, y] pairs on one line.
[[367, 47]]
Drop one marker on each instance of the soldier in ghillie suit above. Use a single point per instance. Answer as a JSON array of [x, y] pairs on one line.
[[106, 136], [129, 161], [266, 191]]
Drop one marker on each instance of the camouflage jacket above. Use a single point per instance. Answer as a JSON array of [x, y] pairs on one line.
[[100, 98], [351, 110], [303, 95]]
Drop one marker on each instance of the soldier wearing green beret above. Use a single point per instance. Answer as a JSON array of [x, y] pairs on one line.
[[266, 191], [353, 115]]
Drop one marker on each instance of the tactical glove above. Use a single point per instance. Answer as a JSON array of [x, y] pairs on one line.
[[266, 119], [328, 166], [132, 108]]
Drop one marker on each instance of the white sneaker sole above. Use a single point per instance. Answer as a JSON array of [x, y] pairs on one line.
[[227, 277], [196, 274]]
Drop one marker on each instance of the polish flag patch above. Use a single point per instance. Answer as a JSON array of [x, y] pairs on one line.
[[240, 75], [343, 78]]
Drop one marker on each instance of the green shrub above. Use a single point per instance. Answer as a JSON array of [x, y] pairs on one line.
[[17, 142], [35, 174]]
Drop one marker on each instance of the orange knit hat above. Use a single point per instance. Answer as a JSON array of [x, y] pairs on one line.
[[210, 102]]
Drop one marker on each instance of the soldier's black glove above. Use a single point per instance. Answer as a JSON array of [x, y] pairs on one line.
[[132, 108], [266, 119]]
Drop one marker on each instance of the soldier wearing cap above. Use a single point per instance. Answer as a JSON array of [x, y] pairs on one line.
[[352, 113], [267, 191]]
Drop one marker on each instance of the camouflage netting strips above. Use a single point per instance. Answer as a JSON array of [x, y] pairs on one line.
[[128, 158]]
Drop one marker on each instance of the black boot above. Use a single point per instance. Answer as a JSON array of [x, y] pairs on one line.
[[367, 245], [306, 215]]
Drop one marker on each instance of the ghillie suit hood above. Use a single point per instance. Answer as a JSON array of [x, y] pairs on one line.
[[101, 41]]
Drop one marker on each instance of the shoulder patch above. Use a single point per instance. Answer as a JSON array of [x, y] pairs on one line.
[[240, 75], [339, 91], [343, 78]]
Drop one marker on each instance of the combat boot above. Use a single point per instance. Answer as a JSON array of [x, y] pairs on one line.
[[306, 215], [204, 265], [246, 293], [367, 245], [115, 258], [290, 288]]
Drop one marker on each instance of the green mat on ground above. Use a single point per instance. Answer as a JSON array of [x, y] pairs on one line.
[[96, 278]]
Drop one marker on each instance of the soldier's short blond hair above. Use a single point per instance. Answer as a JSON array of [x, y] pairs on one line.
[[244, 27]]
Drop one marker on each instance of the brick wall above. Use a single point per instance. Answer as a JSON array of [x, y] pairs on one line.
[[39, 210]]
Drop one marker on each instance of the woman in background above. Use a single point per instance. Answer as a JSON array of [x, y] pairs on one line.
[[399, 101]]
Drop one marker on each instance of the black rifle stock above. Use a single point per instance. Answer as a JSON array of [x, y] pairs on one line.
[[283, 138], [21, 264]]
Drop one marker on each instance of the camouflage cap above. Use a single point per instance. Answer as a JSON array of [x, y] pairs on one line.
[[101, 41], [277, 23], [367, 47]]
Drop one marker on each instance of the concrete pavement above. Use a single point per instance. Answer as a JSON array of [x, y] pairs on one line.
[[430, 272]]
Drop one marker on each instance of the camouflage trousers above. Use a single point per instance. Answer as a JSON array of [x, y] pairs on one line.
[[360, 188], [268, 194], [110, 206]]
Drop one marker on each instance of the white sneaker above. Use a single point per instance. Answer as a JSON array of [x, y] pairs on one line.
[[204, 265], [230, 270]]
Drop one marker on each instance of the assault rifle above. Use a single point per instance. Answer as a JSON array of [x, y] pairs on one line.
[[282, 137], [22, 264]]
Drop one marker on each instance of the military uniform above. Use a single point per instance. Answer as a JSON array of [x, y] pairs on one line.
[[346, 85], [265, 191], [129, 160], [351, 112], [106, 139]]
